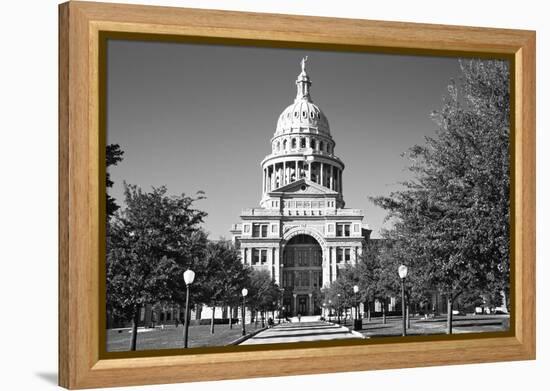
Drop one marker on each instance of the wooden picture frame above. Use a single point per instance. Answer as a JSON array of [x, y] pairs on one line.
[[81, 25]]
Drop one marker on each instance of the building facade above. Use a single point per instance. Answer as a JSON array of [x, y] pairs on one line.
[[301, 233]]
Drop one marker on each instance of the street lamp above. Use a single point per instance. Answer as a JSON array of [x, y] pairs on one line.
[[281, 306], [244, 293], [330, 310], [339, 304], [358, 324], [188, 277], [402, 270]]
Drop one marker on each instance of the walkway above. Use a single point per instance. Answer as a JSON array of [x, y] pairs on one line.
[[301, 332]]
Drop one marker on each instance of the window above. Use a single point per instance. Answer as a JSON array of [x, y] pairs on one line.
[[321, 146], [312, 143], [263, 256], [278, 146], [284, 145], [302, 142], [259, 256], [347, 255], [255, 230], [259, 230], [293, 143], [339, 255], [343, 229]]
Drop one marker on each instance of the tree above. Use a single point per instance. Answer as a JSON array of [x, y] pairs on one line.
[[113, 157], [263, 292], [225, 276], [452, 219], [149, 245]]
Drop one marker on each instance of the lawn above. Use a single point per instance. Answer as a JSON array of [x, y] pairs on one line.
[[171, 337], [420, 326]]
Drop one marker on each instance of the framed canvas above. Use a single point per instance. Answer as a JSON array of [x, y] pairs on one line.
[[301, 309]]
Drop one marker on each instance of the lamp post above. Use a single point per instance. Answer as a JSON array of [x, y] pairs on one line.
[[358, 322], [188, 277], [281, 306], [402, 270], [330, 310], [338, 310], [244, 293]]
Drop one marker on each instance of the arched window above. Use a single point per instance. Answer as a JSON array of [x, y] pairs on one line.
[[312, 143], [321, 146], [293, 143], [284, 145], [302, 142], [278, 146]]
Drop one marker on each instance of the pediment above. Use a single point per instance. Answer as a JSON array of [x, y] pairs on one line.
[[304, 186]]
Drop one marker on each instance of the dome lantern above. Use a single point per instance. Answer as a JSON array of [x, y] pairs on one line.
[[303, 83]]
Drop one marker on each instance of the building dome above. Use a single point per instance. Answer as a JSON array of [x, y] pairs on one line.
[[302, 115]]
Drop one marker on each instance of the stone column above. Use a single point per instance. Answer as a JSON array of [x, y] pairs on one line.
[[270, 260], [333, 250], [322, 174], [331, 177], [272, 176], [277, 265], [284, 173], [309, 166], [263, 181], [326, 266], [249, 256]]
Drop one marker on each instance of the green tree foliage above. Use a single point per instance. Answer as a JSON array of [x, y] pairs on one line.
[[150, 244], [451, 222], [113, 157]]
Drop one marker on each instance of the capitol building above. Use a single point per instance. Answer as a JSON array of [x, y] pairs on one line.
[[302, 233]]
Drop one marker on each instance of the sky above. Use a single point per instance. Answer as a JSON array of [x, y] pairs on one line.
[[200, 117]]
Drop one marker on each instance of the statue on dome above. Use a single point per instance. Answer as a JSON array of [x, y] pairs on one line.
[[303, 62]]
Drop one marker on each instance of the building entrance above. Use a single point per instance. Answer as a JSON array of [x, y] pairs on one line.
[[303, 274], [302, 305]]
